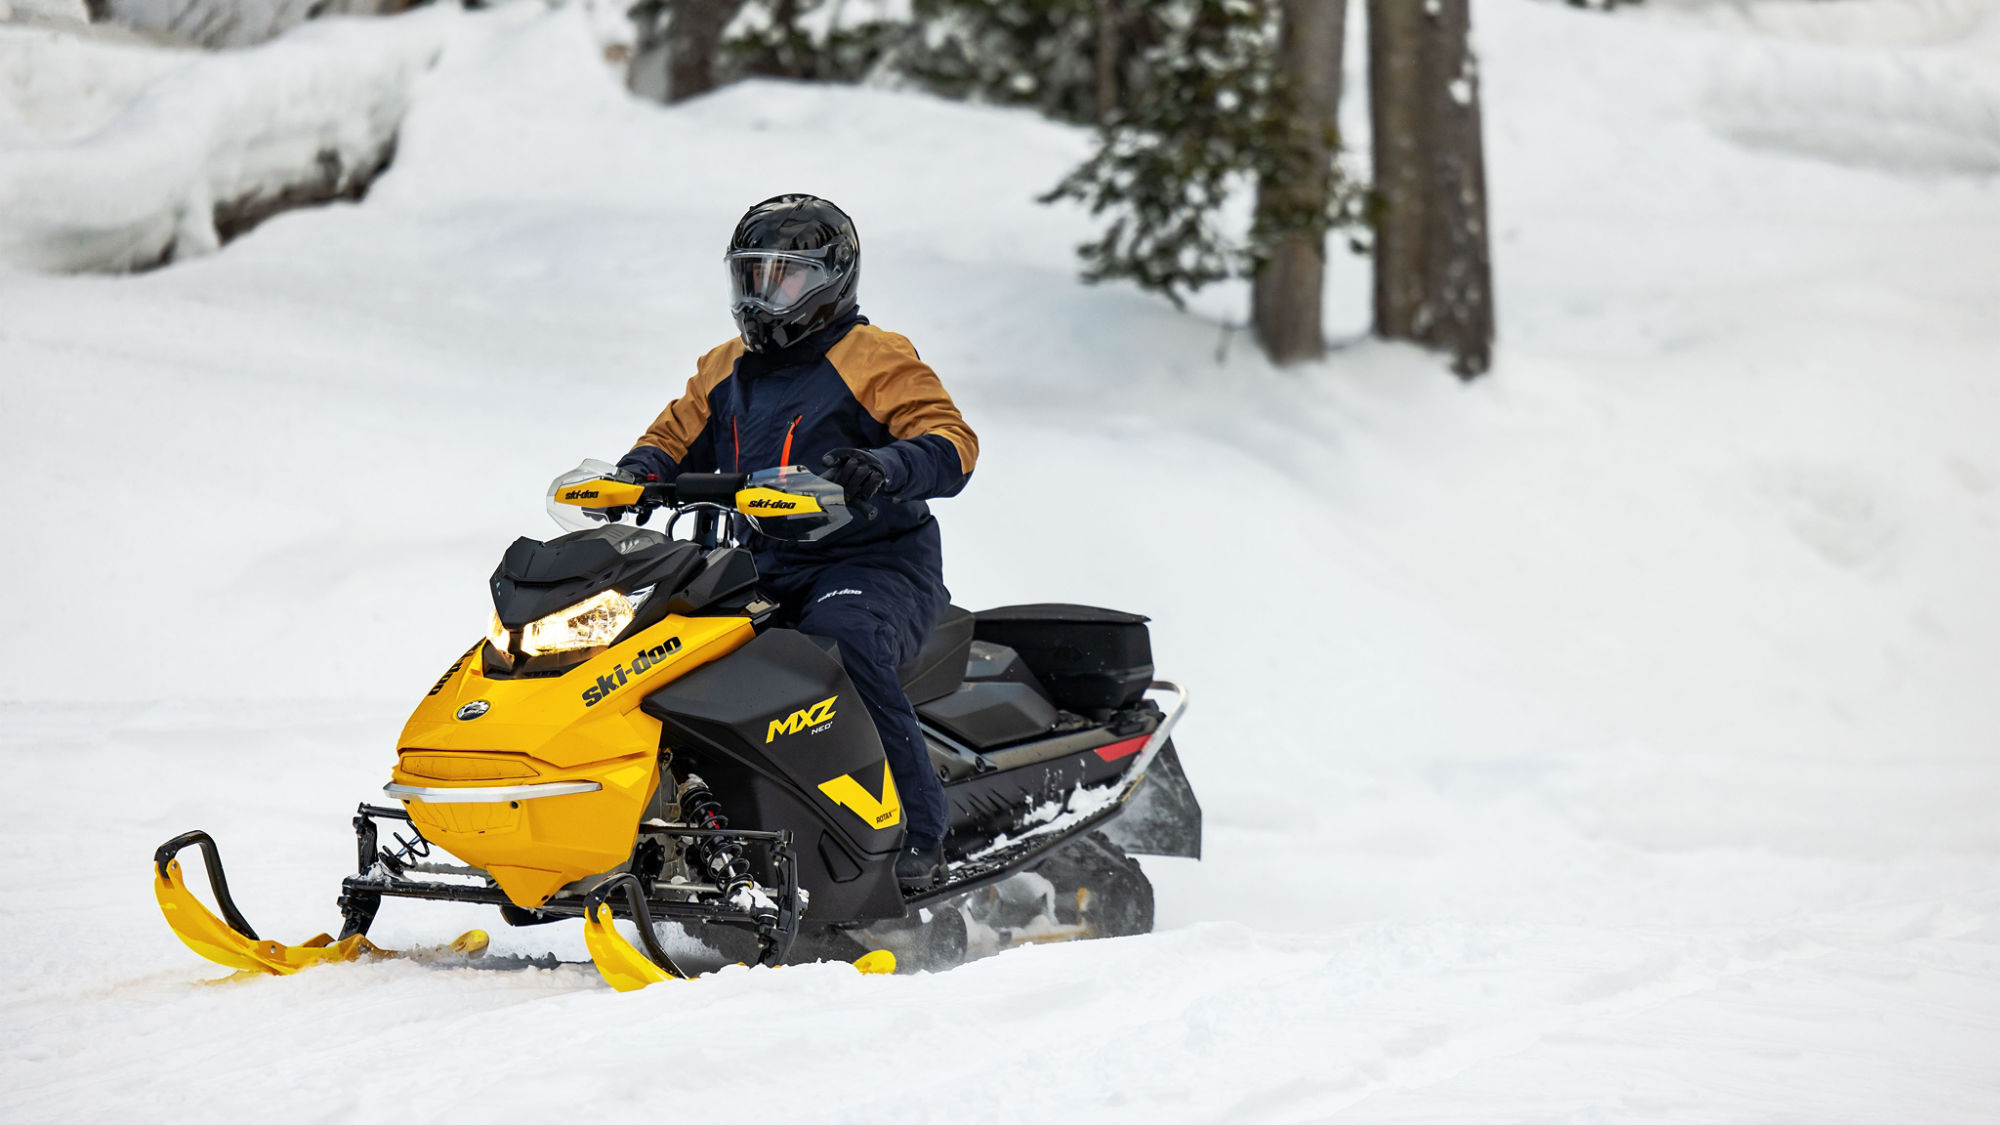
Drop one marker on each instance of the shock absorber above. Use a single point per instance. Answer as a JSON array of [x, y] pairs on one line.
[[720, 857]]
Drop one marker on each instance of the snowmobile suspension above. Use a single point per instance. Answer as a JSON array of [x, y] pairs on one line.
[[774, 915], [719, 856]]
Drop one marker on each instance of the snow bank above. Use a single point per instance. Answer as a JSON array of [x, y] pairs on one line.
[[204, 141], [58, 86], [44, 11], [1869, 24], [1821, 83], [217, 23]]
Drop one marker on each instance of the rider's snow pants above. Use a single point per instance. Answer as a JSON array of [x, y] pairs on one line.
[[879, 610]]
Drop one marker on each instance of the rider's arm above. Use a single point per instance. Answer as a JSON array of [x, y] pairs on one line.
[[934, 450], [679, 440]]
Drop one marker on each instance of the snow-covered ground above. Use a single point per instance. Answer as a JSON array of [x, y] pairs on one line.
[[1612, 739]]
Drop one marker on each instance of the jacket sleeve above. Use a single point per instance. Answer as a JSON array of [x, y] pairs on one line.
[[934, 449], [679, 441]]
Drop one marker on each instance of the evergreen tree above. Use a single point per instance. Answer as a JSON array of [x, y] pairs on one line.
[[1071, 59], [1212, 116], [818, 40]]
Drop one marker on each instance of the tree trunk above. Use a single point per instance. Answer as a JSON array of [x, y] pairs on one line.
[[1107, 60], [1459, 264], [693, 41], [1433, 272], [1285, 294], [1396, 107]]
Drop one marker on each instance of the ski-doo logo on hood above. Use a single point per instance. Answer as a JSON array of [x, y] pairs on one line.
[[641, 664], [811, 717], [452, 671]]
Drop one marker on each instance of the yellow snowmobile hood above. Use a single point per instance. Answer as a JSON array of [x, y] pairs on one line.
[[541, 781]]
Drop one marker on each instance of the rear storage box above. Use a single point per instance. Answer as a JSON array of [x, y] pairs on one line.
[[1091, 660]]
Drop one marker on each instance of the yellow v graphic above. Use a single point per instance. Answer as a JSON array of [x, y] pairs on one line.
[[848, 794]]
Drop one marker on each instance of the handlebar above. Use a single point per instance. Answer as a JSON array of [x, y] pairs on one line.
[[787, 503], [706, 488]]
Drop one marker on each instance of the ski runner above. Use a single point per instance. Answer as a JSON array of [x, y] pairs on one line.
[[810, 381]]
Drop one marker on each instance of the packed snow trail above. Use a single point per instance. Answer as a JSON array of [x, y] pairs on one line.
[[1610, 739]]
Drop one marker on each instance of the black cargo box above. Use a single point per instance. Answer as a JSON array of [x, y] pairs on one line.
[[1091, 660]]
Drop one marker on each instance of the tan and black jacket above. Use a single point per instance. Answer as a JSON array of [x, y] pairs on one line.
[[853, 385]]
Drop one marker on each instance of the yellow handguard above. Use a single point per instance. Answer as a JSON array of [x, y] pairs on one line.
[[601, 493]]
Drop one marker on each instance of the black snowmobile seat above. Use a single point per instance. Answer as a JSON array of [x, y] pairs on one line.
[[939, 667], [992, 714]]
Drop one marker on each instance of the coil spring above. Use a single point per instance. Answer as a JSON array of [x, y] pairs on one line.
[[721, 858], [407, 853]]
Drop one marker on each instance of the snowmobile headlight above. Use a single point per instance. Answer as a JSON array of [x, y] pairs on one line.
[[592, 623], [496, 635]]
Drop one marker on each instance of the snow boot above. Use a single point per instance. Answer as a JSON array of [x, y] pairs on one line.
[[918, 866]]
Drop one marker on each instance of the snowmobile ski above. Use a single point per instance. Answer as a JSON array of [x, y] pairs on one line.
[[235, 945]]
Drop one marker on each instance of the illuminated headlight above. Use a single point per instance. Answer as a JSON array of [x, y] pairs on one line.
[[496, 635], [591, 623]]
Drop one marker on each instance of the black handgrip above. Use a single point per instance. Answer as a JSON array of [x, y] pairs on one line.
[[709, 488]]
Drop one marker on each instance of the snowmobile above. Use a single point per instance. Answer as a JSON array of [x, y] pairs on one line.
[[636, 738]]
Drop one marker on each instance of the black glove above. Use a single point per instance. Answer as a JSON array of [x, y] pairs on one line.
[[859, 472], [647, 463]]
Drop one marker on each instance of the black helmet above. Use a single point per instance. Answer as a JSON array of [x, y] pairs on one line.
[[794, 265]]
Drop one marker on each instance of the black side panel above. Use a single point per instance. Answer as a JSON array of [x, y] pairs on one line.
[[768, 725], [983, 805], [1092, 660], [729, 572], [986, 715], [939, 667], [1163, 817], [988, 661]]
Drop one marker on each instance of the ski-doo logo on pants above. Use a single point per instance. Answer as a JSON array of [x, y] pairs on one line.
[[644, 662], [819, 713]]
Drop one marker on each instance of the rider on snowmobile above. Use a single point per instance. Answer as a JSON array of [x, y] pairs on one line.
[[810, 381]]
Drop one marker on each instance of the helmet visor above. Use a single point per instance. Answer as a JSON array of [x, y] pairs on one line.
[[775, 280]]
